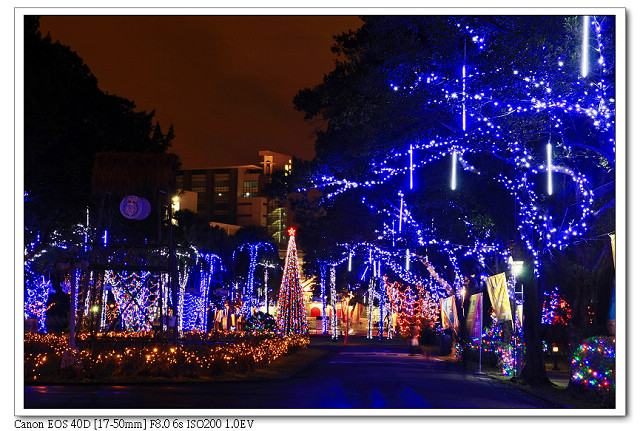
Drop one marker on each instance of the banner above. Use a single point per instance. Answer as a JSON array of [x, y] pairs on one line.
[[613, 247], [497, 288], [611, 324], [449, 312], [474, 316]]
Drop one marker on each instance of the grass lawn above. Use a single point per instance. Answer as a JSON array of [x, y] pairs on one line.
[[282, 367], [558, 391]]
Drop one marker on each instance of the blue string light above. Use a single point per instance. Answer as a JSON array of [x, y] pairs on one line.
[[37, 290], [253, 249]]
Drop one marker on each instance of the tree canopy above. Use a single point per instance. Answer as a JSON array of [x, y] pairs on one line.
[[472, 136], [67, 121], [491, 91]]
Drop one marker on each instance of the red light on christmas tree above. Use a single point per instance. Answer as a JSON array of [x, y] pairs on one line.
[[555, 310], [291, 317]]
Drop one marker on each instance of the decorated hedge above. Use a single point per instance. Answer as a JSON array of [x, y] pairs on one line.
[[593, 365], [199, 357]]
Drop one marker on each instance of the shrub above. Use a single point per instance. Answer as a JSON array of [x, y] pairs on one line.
[[593, 367], [198, 356], [261, 323]]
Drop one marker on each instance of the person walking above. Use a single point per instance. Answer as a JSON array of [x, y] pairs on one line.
[[414, 333]]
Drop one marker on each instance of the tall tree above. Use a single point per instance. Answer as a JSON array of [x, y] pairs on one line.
[[67, 121], [490, 95]]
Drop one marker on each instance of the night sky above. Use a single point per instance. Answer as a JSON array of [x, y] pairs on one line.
[[226, 83]]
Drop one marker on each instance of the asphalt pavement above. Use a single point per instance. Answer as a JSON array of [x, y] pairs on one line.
[[354, 376]]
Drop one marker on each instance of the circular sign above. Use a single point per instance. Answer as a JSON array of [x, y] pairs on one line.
[[145, 210], [130, 207], [135, 208]]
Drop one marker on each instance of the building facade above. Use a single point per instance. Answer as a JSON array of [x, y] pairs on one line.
[[232, 195]]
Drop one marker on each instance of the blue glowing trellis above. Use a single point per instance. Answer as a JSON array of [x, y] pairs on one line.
[[136, 294]]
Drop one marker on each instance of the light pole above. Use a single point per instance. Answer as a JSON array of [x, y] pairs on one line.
[[554, 349], [516, 269]]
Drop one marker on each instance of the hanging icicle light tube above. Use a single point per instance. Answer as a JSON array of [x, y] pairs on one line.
[[585, 46], [549, 169]]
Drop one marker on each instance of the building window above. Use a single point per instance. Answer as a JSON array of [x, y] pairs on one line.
[[250, 189], [221, 187], [202, 203], [198, 183]]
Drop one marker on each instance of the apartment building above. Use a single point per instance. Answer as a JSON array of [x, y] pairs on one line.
[[230, 196]]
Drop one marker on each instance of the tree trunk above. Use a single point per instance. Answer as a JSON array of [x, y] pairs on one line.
[[534, 372]]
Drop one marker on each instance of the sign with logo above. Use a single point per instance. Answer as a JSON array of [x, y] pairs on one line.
[[135, 208]]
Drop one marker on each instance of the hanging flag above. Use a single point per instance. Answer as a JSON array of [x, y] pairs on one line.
[[497, 288], [449, 312], [613, 247], [474, 316], [611, 324]]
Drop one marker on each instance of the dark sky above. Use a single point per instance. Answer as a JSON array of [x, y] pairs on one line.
[[226, 83]]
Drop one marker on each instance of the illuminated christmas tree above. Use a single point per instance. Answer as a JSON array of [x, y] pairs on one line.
[[292, 317], [555, 310]]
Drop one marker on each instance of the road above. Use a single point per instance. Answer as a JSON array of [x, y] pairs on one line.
[[347, 377]]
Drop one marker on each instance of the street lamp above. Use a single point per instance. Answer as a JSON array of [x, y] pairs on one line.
[[516, 266], [516, 269], [554, 349]]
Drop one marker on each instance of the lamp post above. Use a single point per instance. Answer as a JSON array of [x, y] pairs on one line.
[[554, 349], [516, 269]]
